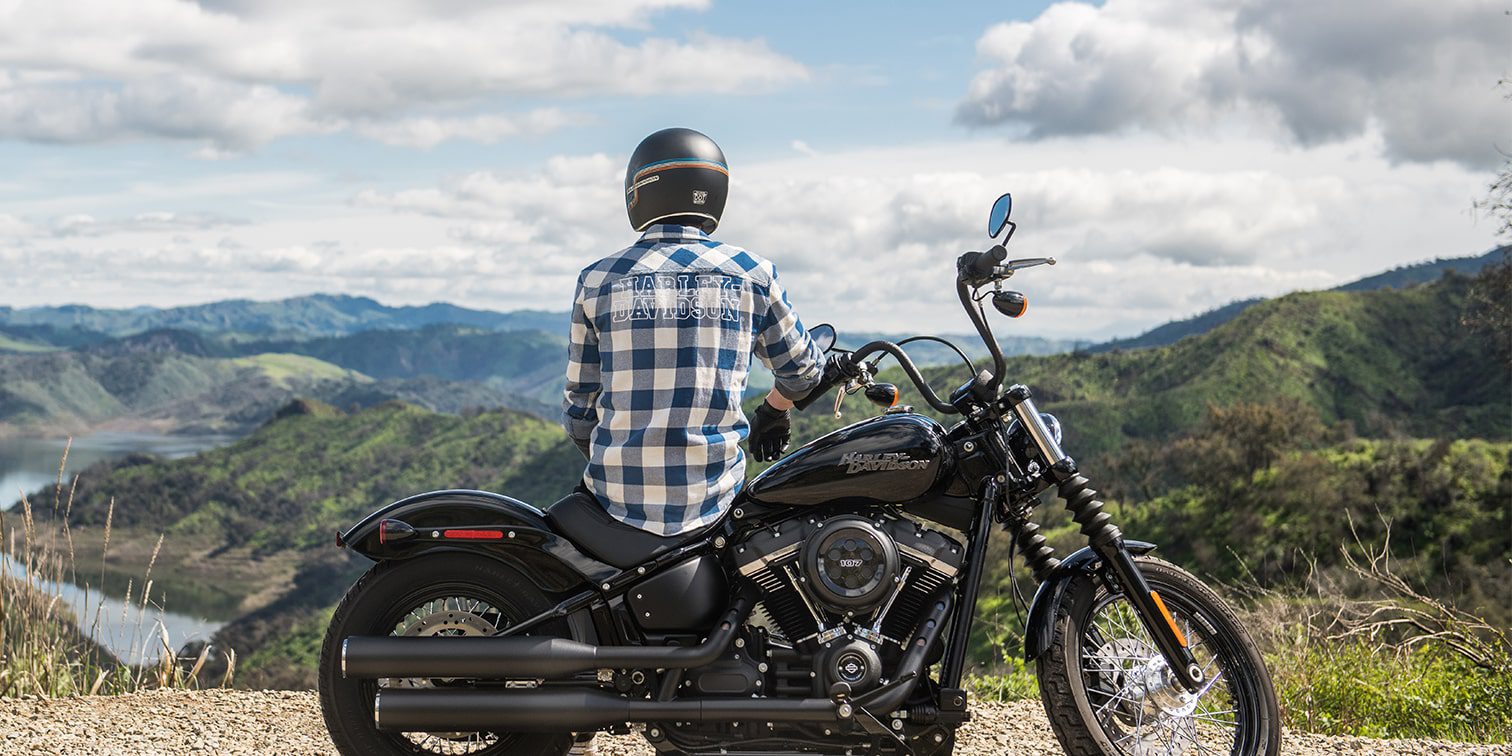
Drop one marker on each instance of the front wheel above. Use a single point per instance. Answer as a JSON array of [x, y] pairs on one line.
[[1108, 691], [434, 595]]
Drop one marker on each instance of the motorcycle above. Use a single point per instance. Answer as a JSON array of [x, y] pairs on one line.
[[828, 612]]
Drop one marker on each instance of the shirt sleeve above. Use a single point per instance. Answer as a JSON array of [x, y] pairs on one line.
[[579, 414], [785, 347]]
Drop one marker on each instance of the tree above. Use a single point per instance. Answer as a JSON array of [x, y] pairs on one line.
[[1488, 305]]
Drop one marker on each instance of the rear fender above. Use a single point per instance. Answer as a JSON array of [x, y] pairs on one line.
[[526, 540], [1039, 633]]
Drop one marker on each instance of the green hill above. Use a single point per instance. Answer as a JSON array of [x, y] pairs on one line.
[[1388, 362], [528, 363], [182, 380], [164, 390], [1396, 278]]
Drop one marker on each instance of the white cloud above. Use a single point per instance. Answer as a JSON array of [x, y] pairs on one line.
[[237, 75], [13, 227], [1420, 74], [863, 239], [427, 132], [803, 148]]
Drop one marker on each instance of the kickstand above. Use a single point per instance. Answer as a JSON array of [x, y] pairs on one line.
[[874, 726]]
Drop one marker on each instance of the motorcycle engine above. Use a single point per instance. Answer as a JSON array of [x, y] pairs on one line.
[[846, 592]]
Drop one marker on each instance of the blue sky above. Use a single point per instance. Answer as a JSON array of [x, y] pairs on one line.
[[1175, 156]]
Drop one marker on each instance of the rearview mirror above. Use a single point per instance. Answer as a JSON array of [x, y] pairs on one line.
[[998, 218], [824, 336]]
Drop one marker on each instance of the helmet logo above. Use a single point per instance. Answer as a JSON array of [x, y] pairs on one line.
[[700, 196]]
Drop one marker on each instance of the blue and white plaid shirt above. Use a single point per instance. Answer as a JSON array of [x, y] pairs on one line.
[[662, 337]]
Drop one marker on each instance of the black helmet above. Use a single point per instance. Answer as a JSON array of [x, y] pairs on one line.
[[676, 175]]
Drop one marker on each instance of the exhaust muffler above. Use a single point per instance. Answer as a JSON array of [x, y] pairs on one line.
[[525, 657], [472, 710]]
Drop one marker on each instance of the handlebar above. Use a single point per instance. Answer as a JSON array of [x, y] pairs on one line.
[[974, 269], [903, 360]]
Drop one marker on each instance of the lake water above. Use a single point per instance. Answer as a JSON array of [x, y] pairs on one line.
[[29, 464], [131, 633]]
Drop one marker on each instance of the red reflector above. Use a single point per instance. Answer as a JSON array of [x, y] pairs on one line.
[[474, 535]]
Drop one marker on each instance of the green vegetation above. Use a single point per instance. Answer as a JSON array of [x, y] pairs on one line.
[[289, 370], [186, 382], [274, 498], [1398, 278], [10, 343], [43, 647]]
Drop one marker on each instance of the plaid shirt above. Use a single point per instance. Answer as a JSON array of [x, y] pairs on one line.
[[662, 337]]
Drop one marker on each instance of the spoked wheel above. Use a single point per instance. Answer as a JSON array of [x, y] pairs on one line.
[[1107, 689], [440, 595]]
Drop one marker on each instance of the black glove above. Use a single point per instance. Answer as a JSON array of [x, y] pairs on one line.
[[839, 368], [584, 446], [770, 430]]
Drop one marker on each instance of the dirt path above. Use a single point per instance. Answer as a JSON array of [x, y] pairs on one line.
[[242, 722]]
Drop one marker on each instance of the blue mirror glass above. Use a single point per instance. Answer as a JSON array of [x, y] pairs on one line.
[[998, 218]]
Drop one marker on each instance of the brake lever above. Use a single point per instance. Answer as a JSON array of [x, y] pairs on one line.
[[1027, 262]]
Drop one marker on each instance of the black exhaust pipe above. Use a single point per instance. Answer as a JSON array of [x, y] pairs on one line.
[[441, 710], [581, 709], [527, 657]]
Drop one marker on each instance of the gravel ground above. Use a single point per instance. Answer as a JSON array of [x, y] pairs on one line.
[[243, 722]]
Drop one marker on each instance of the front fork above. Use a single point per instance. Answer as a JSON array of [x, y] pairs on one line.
[[1107, 541]]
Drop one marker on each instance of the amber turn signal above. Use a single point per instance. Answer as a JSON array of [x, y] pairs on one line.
[[1010, 303], [882, 394]]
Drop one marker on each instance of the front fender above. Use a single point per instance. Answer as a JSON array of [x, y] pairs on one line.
[[534, 549], [1039, 633]]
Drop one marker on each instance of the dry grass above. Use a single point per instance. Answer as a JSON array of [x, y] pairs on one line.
[[44, 649], [1367, 653]]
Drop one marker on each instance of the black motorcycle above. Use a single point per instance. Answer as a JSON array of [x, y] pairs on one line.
[[828, 612]]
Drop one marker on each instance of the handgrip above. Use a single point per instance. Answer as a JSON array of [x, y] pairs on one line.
[[979, 265], [825, 384]]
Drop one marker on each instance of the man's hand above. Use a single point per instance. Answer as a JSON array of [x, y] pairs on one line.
[[770, 430], [839, 368]]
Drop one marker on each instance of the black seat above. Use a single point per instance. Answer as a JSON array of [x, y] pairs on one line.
[[581, 519]]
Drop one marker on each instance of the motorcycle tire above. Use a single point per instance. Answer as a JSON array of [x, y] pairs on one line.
[[384, 599], [1102, 677]]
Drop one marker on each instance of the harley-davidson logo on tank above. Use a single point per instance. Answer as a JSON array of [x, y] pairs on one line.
[[858, 462]]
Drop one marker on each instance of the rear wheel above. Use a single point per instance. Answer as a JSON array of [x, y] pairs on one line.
[[1108, 691], [437, 595]]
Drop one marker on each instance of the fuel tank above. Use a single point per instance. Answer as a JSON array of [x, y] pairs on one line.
[[889, 459]]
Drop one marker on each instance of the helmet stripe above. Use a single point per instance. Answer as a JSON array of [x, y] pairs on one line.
[[663, 165]]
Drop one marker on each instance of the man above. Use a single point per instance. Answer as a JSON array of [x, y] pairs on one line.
[[663, 333]]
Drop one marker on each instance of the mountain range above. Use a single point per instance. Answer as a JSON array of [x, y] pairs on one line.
[[313, 315], [225, 367]]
